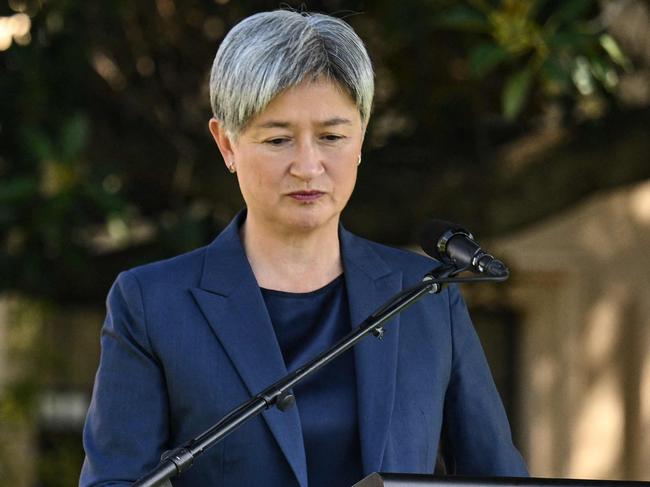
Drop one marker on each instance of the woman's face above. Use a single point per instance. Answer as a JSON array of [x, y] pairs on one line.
[[296, 162]]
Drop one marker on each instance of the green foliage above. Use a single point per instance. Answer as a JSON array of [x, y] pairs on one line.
[[486, 57], [559, 47], [102, 119], [463, 17], [516, 92], [51, 193], [107, 162]]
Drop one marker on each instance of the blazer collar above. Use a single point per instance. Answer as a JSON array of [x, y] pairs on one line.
[[231, 301], [225, 266]]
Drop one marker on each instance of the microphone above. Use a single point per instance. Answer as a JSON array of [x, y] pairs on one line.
[[453, 244]]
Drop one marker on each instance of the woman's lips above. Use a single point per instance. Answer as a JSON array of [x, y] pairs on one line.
[[306, 195]]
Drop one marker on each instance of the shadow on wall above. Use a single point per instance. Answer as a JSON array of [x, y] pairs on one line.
[[580, 285]]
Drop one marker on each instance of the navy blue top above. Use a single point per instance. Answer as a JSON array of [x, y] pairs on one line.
[[306, 324]]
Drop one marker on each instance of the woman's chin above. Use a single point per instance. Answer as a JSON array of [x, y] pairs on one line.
[[310, 221]]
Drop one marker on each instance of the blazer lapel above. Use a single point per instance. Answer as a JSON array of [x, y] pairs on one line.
[[232, 303], [370, 283]]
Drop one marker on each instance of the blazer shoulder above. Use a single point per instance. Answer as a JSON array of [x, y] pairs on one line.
[[184, 269]]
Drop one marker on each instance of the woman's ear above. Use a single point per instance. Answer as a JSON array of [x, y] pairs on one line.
[[224, 142]]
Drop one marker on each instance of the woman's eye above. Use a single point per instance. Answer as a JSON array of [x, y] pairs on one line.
[[332, 137], [277, 141]]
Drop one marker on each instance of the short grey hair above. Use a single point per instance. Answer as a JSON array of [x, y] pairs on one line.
[[269, 52]]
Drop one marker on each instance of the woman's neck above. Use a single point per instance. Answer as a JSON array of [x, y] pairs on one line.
[[296, 262]]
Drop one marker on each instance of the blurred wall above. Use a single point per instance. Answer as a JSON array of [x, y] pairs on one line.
[[580, 287], [48, 357]]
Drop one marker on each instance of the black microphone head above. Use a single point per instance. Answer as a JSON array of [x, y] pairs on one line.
[[436, 234]]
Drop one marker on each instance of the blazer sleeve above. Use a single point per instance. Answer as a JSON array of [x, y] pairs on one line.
[[127, 424], [476, 436]]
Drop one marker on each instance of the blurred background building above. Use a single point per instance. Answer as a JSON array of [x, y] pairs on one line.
[[580, 296], [527, 121]]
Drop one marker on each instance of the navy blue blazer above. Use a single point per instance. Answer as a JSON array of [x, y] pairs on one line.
[[187, 339]]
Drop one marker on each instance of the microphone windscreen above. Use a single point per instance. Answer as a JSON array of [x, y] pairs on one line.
[[433, 232]]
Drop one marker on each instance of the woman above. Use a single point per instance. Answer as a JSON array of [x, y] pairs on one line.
[[187, 339]]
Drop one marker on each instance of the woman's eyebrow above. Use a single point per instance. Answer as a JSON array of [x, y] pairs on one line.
[[336, 121], [271, 124]]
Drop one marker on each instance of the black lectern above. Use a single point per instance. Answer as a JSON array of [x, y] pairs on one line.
[[409, 480]]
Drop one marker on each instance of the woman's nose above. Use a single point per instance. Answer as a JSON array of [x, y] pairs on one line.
[[307, 162]]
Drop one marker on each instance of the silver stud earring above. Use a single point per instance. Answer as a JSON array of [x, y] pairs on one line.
[[359, 161], [231, 168]]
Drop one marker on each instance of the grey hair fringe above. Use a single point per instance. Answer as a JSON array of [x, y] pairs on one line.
[[270, 52]]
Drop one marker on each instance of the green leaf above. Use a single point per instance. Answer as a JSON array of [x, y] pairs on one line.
[[38, 144], [569, 40], [557, 76], [17, 189], [570, 11], [604, 72], [614, 51], [463, 18], [74, 137], [485, 57], [515, 93]]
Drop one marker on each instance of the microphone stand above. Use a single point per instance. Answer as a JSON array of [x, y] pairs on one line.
[[279, 394]]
